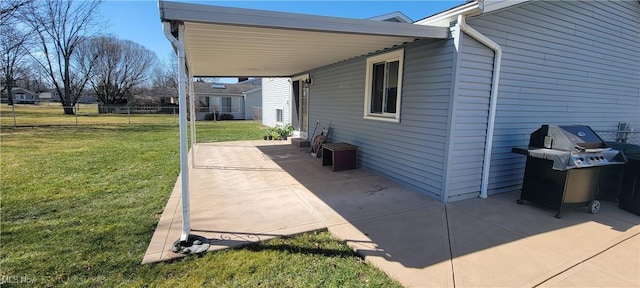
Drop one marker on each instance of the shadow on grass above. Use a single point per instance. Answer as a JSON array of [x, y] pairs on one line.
[[261, 242]]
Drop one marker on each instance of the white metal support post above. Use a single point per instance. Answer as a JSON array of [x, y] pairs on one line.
[[184, 160], [187, 244]]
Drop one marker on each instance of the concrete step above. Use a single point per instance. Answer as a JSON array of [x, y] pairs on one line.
[[300, 142]]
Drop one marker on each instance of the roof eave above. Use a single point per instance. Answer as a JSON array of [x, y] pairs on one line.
[[401, 17], [252, 90]]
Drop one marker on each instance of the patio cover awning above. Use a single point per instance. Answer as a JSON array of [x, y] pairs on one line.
[[231, 42]]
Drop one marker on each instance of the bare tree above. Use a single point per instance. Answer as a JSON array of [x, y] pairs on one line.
[[33, 77], [114, 67], [60, 27], [9, 8], [14, 45], [165, 75]]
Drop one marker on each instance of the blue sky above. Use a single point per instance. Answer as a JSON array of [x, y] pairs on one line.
[[139, 21]]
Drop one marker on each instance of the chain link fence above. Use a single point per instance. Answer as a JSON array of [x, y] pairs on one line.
[[623, 134], [631, 137], [52, 114]]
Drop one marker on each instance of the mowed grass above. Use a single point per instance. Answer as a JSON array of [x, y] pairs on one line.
[[79, 205]]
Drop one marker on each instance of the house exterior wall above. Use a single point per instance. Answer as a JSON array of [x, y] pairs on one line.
[[410, 152], [276, 94], [564, 62], [469, 118], [252, 99], [45, 96]]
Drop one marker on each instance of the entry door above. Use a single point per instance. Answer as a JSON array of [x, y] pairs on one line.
[[301, 103]]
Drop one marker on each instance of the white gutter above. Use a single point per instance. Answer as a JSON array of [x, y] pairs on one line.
[[182, 102], [497, 60]]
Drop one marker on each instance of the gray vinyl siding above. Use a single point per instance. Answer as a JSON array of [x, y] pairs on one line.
[[253, 99], [565, 62], [410, 152], [276, 94], [469, 119]]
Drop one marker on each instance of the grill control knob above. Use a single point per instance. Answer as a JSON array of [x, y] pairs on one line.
[[591, 158]]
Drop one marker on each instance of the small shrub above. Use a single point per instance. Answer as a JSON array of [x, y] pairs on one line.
[[211, 116], [226, 117]]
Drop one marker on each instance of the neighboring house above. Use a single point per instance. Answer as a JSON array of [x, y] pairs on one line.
[[53, 96], [428, 104], [21, 96], [277, 102], [237, 99], [46, 96]]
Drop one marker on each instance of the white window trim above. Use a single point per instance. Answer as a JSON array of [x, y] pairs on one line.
[[397, 55], [231, 111], [282, 112]]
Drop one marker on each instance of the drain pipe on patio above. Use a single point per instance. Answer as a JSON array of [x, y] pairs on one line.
[[187, 244], [497, 60]]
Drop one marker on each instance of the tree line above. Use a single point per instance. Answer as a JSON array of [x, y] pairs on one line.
[[55, 43]]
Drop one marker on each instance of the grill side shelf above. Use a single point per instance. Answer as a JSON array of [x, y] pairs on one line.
[[521, 150]]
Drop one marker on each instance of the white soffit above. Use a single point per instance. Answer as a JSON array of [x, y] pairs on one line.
[[222, 41]]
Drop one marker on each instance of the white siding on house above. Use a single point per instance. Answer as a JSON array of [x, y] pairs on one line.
[[410, 152], [276, 94], [565, 62]]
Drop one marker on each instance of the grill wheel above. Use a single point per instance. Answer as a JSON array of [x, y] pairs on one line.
[[594, 207]]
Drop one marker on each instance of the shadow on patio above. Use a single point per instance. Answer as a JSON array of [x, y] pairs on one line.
[[242, 192]]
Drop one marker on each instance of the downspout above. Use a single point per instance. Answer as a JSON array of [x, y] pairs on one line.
[[182, 103], [497, 60]]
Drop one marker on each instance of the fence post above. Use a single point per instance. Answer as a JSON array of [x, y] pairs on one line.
[[13, 108], [129, 113], [76, 116]]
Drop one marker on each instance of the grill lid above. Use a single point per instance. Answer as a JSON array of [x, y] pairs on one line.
[[569, 147], [567, 138]]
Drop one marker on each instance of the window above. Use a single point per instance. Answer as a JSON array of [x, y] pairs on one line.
[[383, 86], [230, 104], [278, 115]]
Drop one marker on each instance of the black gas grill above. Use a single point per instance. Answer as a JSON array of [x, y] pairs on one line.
[[563, 164]]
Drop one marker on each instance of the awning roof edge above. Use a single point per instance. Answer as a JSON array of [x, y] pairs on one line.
[[187, 12], [238, 42]]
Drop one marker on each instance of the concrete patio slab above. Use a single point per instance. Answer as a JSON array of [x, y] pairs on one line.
[[599, 270], [410, 246], [243, 192], [482, 250]]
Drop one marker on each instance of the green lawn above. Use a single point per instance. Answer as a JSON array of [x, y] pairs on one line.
[[79, 205]]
